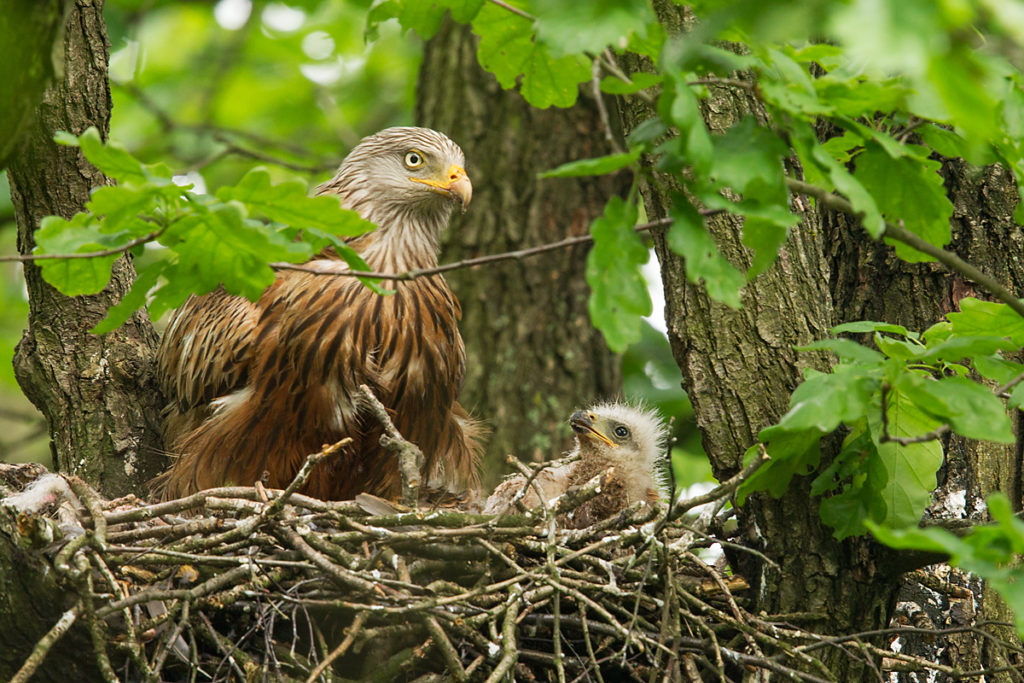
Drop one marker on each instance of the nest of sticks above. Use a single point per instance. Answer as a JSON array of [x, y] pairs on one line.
[[251, 584]]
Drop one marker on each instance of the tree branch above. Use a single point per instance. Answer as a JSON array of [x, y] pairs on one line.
[[148, 237], [895, 232], [473, 262]]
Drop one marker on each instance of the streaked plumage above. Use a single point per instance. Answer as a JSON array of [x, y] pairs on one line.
[[628, 438], [256, 387]]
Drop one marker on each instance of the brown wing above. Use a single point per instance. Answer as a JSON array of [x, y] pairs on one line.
[[206, 352]]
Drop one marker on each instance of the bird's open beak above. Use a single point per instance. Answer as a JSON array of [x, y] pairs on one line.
[[454, 183], [582, 423]]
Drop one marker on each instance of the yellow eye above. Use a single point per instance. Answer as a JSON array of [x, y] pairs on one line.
[[414, 159]]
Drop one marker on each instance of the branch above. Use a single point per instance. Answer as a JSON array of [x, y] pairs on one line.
[[410, 457], [46, 643], [514, 10], [895, 232], [350, 637], [470, 263], [149, 237], [723, 489], [602, 110]]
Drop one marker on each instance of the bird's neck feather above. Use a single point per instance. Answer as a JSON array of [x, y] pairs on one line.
[[407, 235]]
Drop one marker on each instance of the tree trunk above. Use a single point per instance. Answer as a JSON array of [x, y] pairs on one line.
[[97, 393], [533, 356]]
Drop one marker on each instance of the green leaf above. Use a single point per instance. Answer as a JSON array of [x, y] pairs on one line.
[[846, 349], [678, 104], [897, 348], [972, 409], [985, 318], [81, 234], [748, 157], [688, 238], [641, 80], [996, 368], [907, 190], [910, 470], [792, 454], [463, 11], [135, 299], [112, 159], [950, 144], [414, 15], [596, 166], [764, 238], [846, 183], [288, 203], [619, 296], [957, 348], [509, 49], [573, 27], [646, 132], [826, 400]]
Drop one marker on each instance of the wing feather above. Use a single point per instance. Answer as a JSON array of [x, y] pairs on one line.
[[207, 349]]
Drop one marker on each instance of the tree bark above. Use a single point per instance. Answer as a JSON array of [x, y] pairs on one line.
[[97, 393], [533, 356]]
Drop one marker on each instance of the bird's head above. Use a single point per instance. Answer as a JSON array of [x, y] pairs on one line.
[[403, 172], [628, 437]]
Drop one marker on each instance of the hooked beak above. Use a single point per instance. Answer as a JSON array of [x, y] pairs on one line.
[[455, 184], [583, 424]]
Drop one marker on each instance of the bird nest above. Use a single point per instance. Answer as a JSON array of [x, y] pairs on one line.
[[247, 583]]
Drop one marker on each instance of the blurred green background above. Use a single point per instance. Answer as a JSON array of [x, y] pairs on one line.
[[214, 89]]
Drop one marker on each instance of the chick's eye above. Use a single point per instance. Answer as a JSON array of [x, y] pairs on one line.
[[413, 159], [621, 432]]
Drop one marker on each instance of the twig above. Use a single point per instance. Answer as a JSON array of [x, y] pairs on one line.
[[726, 82], [514, 10], [606, 125], [350, 637], [467, 263], [448, 653], [149, 237], [508, 637], [410, 457], [723, 489], [312, 460], [28, 668], [168, 645]]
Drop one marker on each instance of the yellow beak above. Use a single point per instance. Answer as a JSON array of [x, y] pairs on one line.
[[583, 424], [455, 183]]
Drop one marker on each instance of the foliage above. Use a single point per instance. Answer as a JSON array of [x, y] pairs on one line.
[[913, 385], [209, 241]]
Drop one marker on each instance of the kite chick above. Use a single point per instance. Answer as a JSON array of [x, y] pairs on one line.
[[609, 435]]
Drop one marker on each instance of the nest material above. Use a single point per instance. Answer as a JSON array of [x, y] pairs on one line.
[[245, 583]]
